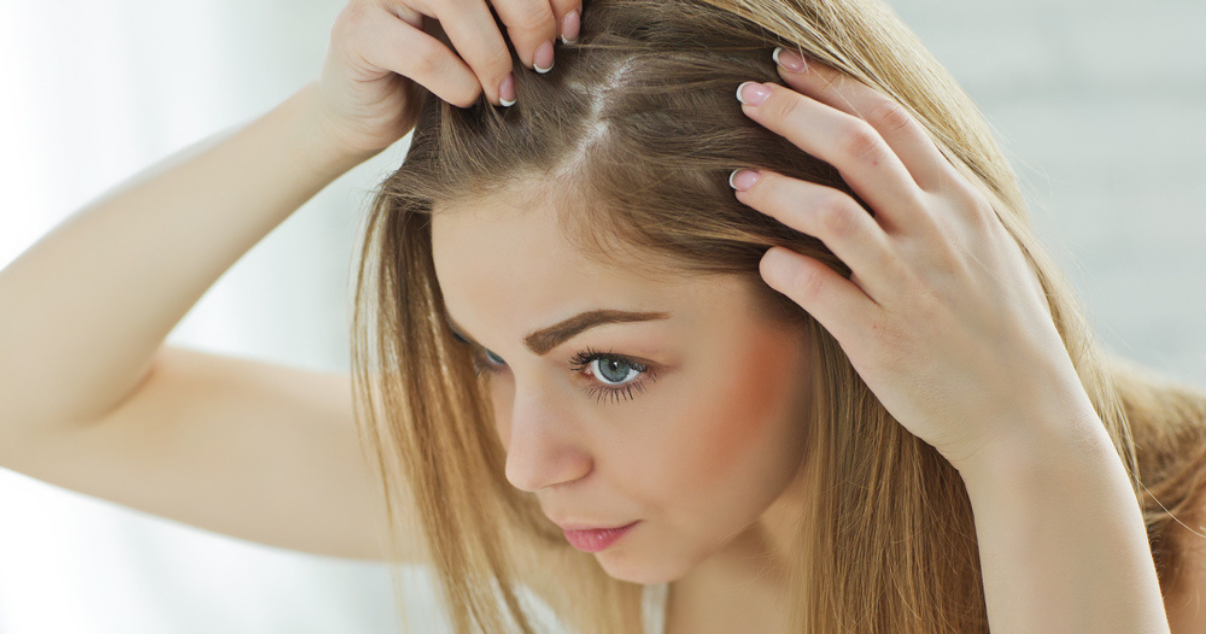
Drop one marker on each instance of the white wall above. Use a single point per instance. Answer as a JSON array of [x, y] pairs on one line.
[[1101, 104]]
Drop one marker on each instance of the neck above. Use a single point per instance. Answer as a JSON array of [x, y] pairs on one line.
[[743, 586]]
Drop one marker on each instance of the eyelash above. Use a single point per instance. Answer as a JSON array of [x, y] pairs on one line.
[[602, 391], [580, 361]]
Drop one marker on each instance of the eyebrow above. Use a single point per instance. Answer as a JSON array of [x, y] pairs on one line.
[[546, 339]]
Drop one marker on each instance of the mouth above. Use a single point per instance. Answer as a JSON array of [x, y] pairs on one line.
[[593, 540]]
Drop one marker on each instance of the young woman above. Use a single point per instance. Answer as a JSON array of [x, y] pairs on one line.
[[841, 389]]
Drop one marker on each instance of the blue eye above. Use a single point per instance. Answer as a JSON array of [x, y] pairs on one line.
[[615, 376], [614, 370]]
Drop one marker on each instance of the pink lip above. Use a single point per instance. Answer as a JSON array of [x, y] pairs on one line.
[[593, 540]]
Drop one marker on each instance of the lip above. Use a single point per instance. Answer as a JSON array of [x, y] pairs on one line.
[[593, 540], [583, 526]]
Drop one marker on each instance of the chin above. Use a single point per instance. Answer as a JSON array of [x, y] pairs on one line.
[[626, 566]]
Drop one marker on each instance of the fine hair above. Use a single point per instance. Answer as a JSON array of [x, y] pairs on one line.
[[633, 135]]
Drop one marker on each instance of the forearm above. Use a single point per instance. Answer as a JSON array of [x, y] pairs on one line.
[[84, 310], [1062, 542]]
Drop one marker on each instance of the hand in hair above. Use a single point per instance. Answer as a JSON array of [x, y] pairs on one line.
[[380, 49], [942, 316]]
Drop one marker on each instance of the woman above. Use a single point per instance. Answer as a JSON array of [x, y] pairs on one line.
[[894, 419]]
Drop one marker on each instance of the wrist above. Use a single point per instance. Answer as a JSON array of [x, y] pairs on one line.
[[327, 150], [1040, 455], [1062, 542]]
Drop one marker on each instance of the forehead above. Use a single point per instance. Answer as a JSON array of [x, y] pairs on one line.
[[506, 265]]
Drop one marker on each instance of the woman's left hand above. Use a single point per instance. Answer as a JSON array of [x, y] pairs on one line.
[[942, 316]]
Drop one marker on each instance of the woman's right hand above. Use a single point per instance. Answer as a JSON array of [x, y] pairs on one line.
[[379, 49]]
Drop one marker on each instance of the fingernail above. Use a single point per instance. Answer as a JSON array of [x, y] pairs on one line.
[[790, 60], [571, 24], [506, 90], [752, 93], [542, 61], [743, 179]]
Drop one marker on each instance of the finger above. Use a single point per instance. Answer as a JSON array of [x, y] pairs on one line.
[[907, 138], [532, 27], [848, 143], [569, 19], [395, 45], [829, 215], [474, 35], [837, 303]]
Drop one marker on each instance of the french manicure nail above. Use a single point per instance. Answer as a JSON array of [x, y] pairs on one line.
[[790, 60], [506, 90], [752, 93], [743, 179], [571, 24], [542, 61]]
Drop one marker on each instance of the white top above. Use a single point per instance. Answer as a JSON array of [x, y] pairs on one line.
[[653, 608]]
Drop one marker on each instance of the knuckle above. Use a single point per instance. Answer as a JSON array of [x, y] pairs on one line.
[[926, 223], [351, 20], [835, 214], [964, 191], [982, 213], [948, 261], [889, 116], [534, 16], [859, 141], [974, 206], [976, 201], [929, 309], [425, 58], [782, 105], [807, 285], [499, 61]]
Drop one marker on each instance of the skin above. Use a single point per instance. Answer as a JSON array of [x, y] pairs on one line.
[[705, 454]]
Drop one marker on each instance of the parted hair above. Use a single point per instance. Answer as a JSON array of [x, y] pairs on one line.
[[639, 129]]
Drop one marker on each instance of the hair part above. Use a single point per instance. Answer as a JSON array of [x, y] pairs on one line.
[[634, 136]]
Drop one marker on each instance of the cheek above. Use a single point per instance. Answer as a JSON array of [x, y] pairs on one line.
[[736, 446], [751, 416]]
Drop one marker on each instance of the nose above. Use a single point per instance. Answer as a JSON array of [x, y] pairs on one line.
[[543, 445]]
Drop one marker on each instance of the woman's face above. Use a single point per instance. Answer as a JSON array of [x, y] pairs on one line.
[[691, 424]]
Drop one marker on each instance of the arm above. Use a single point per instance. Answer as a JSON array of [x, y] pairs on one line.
[[93, 402], [88, 306], [91, 399], [114, 279], [1061, 537]]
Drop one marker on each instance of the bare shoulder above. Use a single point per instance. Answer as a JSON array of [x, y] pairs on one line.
[[259, 451]]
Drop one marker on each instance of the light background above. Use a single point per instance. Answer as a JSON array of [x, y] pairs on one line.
[[1101, 106]]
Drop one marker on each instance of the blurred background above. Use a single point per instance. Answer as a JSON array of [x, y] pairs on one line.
[[1101, 106]]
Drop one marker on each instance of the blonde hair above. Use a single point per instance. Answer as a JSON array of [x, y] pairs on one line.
[[639, 125]]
